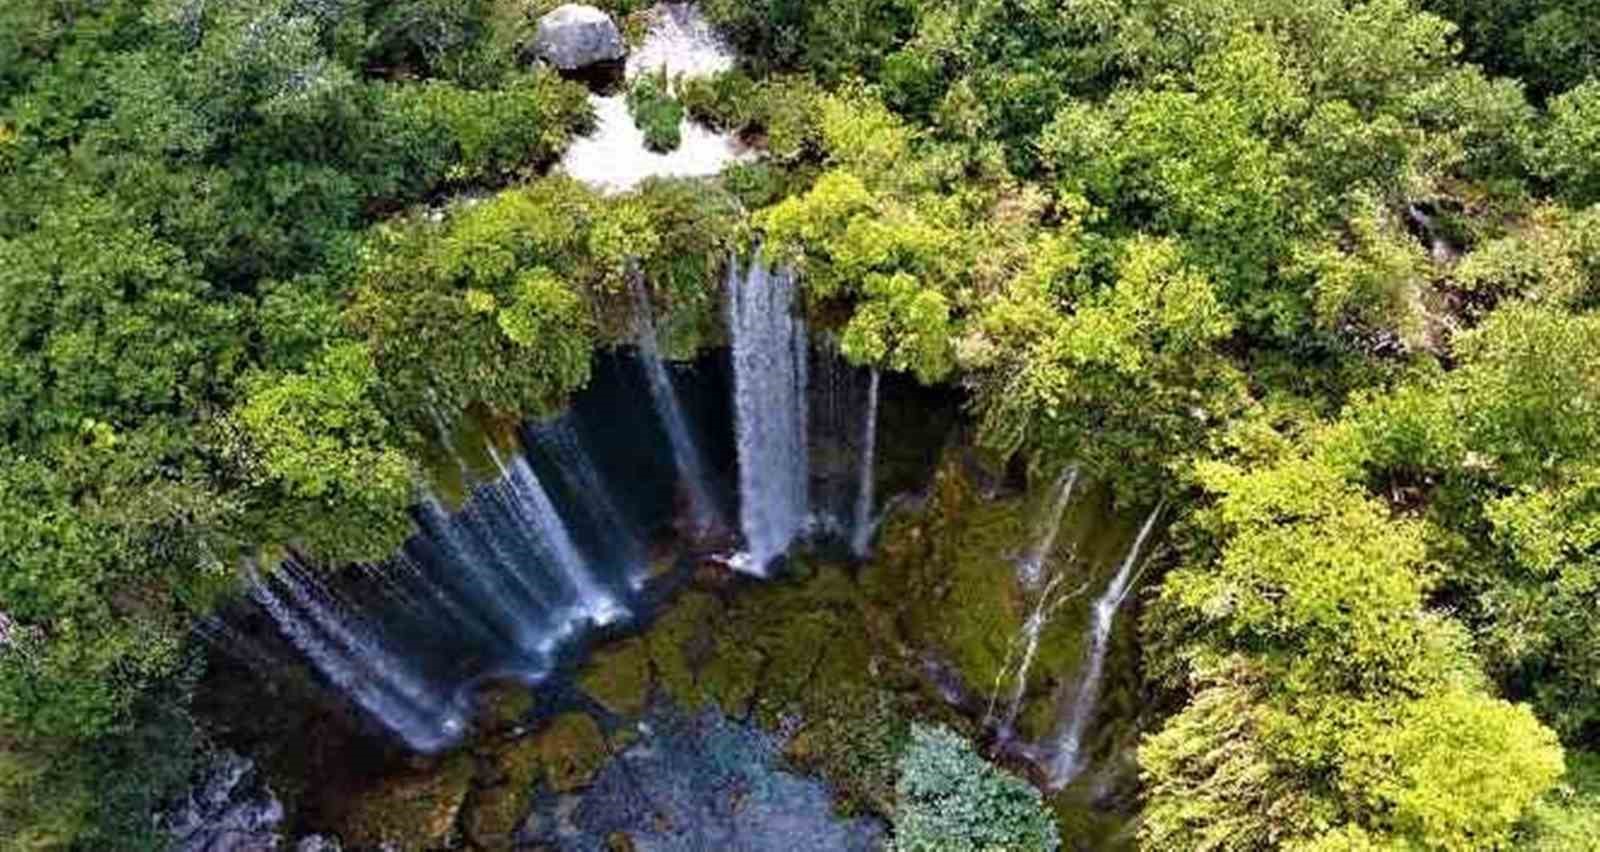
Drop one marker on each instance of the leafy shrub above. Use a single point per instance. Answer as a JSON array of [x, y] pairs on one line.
[[951, 799], [656, 111]]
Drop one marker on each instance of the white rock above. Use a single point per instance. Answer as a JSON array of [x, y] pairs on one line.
[[576, 36]]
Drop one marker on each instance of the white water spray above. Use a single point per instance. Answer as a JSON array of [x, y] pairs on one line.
[[769, 381], [1066, 760], [1030, 568], [614, 158], [685, 452], [862, 525]]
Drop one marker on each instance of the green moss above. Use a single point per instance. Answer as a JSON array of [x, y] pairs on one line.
[[414, 810], [656, 111], [680, 642], [948, 576], [618, 677], [569, 749], [504, 794], [502, 706]]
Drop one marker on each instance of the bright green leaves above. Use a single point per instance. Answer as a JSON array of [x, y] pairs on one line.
[[1312, 573], [319, 441], [482, 311], [902, 326], [894, 261], [1455, 770], [807, 226], [548, 318], [1530, 388], [1330, 709], [1124, 379], [1552, 256]]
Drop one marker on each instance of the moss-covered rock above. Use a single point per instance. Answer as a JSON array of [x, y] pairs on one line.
[[503, 706], [503, 794], [569, 749], [682, 641], [618, 677], [414, 809]]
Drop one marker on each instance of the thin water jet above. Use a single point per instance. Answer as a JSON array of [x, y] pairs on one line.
[[1030, 568], [862, 525], [1065, 754]]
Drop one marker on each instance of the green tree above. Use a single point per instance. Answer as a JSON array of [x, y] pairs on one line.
[[949, 798]]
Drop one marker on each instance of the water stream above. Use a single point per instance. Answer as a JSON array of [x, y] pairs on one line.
[[685, 450], [1065, 752], [614, 158], [862, 524], [769, 378]]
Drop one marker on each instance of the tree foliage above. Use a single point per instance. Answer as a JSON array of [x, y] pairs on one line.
[[950, 799]]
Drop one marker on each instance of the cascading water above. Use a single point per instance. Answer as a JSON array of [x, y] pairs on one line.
[[769, 380], [559, 441], [614, 157], [1065, 761], [491, 591], [862, 524], [1049, 600], [349, 652], [1030, 568], [685, 452]]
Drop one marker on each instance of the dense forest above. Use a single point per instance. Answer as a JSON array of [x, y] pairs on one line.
[[1322, 277]]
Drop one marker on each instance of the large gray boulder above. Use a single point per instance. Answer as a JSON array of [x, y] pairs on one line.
[[576, 36]]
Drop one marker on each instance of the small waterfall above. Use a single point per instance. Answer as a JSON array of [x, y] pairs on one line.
[[1030, 569], [862, 525], [1049, 600], [685, 452], [532, 505], [769, 379], [1066, 759], [559, 442]]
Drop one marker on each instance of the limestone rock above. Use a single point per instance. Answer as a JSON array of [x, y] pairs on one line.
[[576, 36]]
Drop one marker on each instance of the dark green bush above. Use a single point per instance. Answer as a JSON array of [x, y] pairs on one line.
[[656, 111]]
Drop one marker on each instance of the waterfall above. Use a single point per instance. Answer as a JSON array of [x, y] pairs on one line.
[[769, 380], [685, 453], [862, 526], [1030, 569], [1049, 600], [559, 442], [1066, 760], [532, 505], [492, 590], [344, 648]]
